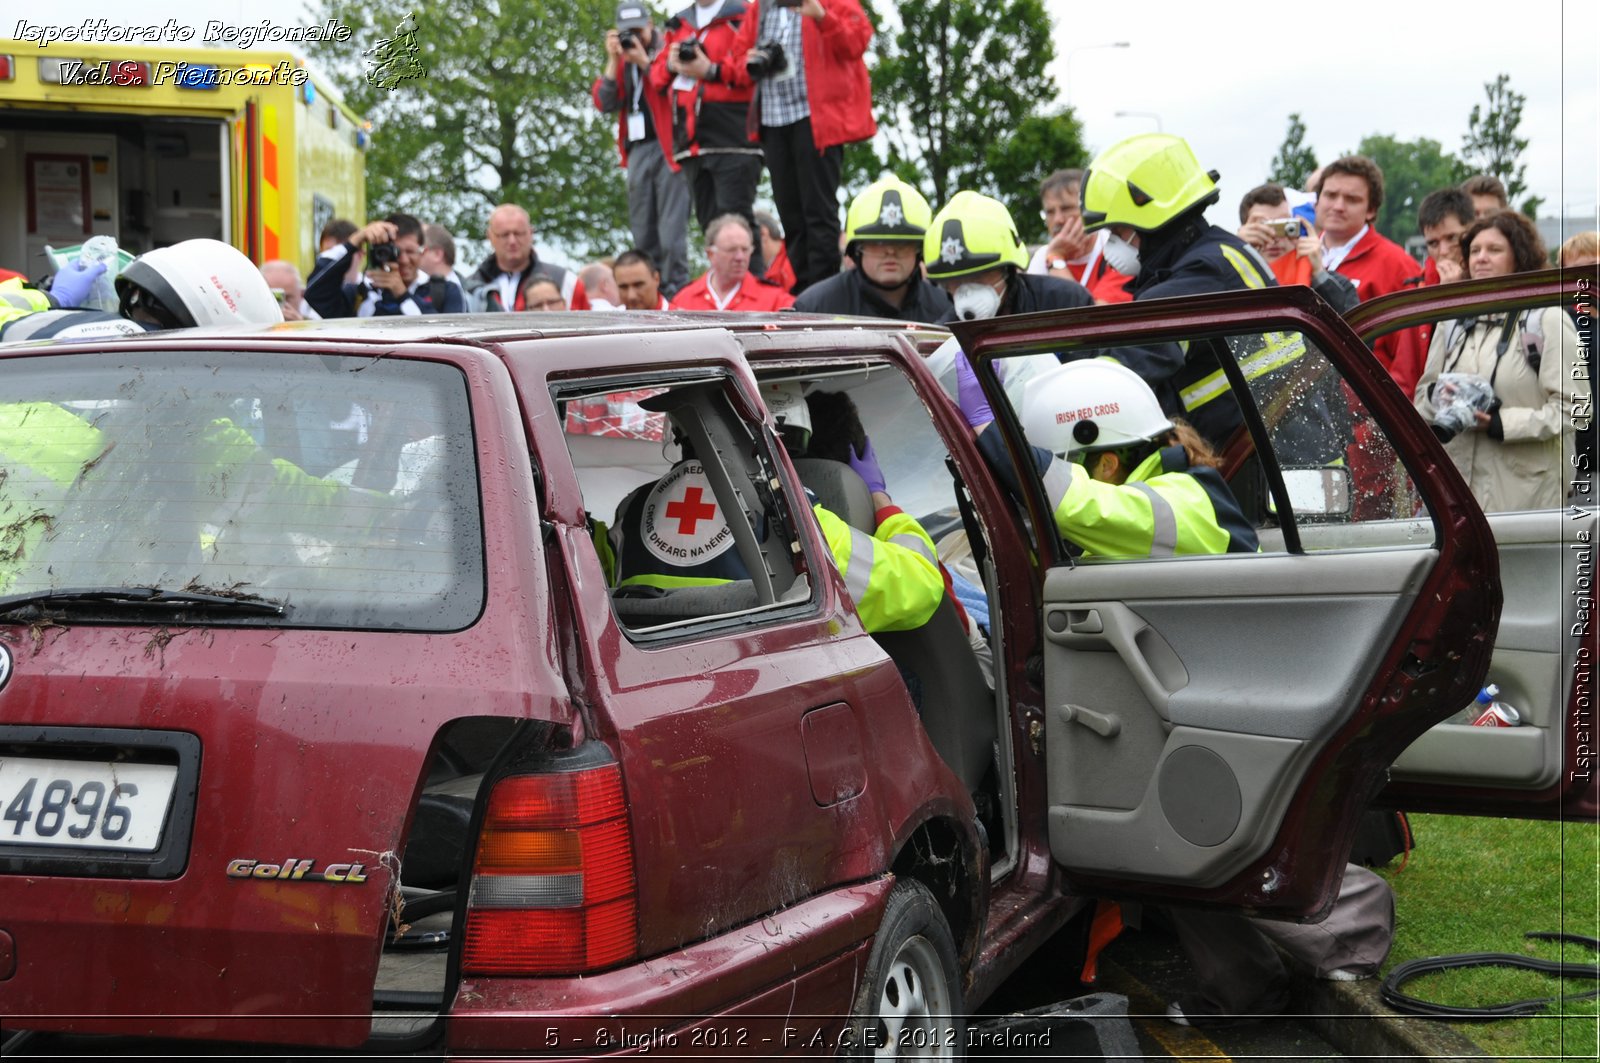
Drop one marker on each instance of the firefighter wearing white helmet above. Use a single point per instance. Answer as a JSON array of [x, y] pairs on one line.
[[192, 283], [1122, 478], [973, 251], [674, 534], [883, 230]]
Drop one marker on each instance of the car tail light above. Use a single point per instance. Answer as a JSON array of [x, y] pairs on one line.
[[552, 884]]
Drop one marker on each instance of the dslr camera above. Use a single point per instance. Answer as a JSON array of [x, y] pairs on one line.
[[1457, 400], [627, 38], [382, 256], [687, 50], [766, 59]]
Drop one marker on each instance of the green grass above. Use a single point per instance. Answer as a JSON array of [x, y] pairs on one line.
[[1477, 885]]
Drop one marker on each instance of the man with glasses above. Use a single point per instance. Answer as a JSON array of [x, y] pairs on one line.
[[729, 284], [1073, 254], [393, 284]]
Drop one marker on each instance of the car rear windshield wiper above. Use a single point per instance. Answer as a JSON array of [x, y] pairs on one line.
[[144, 598]]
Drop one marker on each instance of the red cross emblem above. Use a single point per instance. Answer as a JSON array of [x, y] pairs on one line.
[[689, 511]]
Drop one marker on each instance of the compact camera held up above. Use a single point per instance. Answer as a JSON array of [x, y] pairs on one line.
[[1290, 228], [1457, 398], [766, 59], [382, 256]]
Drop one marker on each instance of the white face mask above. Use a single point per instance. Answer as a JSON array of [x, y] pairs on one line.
[[975, 302], [1121, 256]]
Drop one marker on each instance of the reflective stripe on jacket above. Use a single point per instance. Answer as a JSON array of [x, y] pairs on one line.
[[893, 575], [1163, 509]]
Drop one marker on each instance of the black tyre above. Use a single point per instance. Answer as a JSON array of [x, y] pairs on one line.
[[909, 1006]]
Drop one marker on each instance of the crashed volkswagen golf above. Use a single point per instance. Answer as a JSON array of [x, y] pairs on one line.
[[324, 721]]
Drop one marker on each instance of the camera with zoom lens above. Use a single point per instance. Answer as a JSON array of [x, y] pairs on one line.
[[688, 51], [766, 59], [382, 256], [627, 38]]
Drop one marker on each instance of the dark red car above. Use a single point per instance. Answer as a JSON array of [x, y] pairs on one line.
[[323, 724]]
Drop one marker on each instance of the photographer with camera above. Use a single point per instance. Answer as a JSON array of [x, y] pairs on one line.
[[813, 97], [710, 113], [658, 194], [392, 285], [1291, 244]]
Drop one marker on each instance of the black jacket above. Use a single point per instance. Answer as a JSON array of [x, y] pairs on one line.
[[849, 293], [329, 296]]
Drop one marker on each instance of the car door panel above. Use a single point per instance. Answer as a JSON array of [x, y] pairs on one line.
[[1544, 646], [1215, 724], [1174, 712], [1535, 653]]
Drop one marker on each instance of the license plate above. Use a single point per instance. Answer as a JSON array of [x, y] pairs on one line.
[[84, 804]]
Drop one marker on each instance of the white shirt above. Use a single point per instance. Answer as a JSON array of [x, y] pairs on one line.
[[1332, 256], [704, 13]]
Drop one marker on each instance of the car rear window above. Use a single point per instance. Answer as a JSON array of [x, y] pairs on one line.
[[344, 489]]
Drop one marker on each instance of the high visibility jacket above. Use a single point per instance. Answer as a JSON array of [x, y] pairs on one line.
[[1164, 507], [674, 535], [29, 314]]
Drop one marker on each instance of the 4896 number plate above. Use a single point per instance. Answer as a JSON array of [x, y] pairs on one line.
[[84, 803]]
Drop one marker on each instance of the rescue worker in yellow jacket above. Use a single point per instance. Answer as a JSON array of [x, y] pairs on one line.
[[674, 534], [1123, 480]]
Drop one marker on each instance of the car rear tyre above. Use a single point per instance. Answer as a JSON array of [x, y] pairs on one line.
[[909, 1006]]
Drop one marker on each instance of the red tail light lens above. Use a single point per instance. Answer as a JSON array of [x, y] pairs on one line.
[[552, 885]]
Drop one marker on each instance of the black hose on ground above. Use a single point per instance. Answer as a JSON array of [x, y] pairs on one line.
[[1410, 1005]]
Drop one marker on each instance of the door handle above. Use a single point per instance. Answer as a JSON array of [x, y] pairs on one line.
[[1085, 622], [1101, 723]]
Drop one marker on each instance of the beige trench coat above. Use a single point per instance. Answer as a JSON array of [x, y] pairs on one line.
[[1528, 468]]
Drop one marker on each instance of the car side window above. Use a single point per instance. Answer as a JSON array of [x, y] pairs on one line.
[[689, 519]]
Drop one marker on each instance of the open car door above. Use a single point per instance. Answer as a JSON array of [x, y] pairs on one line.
[[1545, 645], [1216, 724]]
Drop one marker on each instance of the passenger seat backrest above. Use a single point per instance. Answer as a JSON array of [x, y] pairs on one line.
[[840, 490], [955, 702], [957, 705]]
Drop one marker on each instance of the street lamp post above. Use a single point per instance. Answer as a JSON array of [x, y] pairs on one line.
[[1085, 48], [1143, 114]]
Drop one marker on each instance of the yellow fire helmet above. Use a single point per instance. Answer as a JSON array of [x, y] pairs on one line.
[[973, 233], [1145, 182], [887, 209]]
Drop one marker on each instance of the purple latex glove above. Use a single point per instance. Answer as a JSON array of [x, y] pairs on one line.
[[71, 285], [969, 394], [866, 466]]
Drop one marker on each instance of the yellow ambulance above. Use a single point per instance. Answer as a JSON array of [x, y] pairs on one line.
[[158, 144]]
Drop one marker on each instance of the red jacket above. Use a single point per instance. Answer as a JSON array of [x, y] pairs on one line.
[[780, 272], [837, 86], [654, 102], [712, 114], [752, 295], [1378, 266]]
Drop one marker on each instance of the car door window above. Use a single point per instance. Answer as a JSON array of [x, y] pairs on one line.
[[687, 513]]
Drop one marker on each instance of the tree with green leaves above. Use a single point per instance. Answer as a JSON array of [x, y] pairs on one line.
[[502, 114], [1491, 144], [1295, 160], [961, 96], [1411, 169]]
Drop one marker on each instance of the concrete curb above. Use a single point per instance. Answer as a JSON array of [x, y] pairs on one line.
[[1352, 1017]]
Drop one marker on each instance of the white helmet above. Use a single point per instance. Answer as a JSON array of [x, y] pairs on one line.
[[787, 401], [1093, 404], [201, 282]]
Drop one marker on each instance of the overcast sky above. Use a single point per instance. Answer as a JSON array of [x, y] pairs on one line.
[[1227, 73]]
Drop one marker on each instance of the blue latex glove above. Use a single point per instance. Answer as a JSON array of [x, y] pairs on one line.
[[969, 393], [866, 466], [71, 285]]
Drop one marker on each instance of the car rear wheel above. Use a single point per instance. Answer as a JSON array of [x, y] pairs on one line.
[[909, 1006]]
